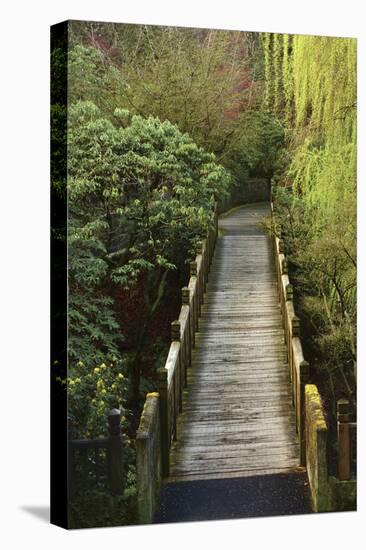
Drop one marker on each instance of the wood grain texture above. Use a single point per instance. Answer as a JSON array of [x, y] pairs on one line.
[[238, 417]]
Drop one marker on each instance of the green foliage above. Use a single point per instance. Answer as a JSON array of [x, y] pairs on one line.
[[257, 150], [91, 394], [199, 80], [267, 55], [287, 82], [139, 196], [58, 122], [323, 267], [94, 334], [98, 508], [277, 70], [58, 73], [319, 215], [93, 76]]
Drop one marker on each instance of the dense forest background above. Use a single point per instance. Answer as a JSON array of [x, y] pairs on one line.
[[161, 122]]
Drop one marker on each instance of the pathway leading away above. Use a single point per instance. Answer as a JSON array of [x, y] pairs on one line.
[[238, 420]]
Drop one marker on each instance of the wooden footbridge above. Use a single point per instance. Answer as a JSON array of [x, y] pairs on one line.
[[238, 418], [235, 429], [230, 400]]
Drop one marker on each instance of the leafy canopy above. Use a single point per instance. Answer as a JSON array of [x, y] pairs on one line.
[[140, 195]]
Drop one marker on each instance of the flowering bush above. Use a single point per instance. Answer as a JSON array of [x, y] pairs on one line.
[[91, 393]]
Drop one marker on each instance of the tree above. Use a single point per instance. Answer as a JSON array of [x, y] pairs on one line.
[[140, 195], [311, 86]]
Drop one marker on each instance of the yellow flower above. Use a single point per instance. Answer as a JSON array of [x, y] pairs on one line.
[[120, 376], [71, 382], [77, 380], [103, 366], [113, 386], [103, 392], [96, 370]]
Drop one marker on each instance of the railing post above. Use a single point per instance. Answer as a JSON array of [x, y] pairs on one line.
[[292, 332], [199, 250], [176, 337], [295, 326], [193, 273], [185, 296], [344, 443], [284, 266], [216, 221], [115, 452], [148, 459], [207, 258], [175, 331], [289, 292], [188, 331], [164, 419], [304, 379]]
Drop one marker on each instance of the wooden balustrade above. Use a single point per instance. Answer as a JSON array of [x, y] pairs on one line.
[[148, 459], [299, 368], [172, 378], [328, 493], [346, 433], [116, 474]]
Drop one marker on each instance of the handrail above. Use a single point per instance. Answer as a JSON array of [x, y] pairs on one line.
[[326, 493], [172, 378], [299, 367], [115, 454]]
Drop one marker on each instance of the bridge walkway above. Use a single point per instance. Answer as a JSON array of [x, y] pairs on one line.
[[238, 419]]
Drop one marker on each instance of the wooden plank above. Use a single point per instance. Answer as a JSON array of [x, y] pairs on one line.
[[197, 476], [222, 465]]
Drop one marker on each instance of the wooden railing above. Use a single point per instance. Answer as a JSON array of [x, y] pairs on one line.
[[158, 423], [172, 378], [299, 368], [347, 441], [108, 469], [148, 459], [328, 493]]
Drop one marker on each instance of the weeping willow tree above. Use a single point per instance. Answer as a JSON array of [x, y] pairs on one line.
[[310, 83], [324, 89]]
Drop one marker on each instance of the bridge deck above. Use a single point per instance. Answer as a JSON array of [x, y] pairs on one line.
[[238, 418]]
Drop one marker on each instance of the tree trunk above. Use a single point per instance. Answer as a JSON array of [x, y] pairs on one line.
[[135, 371]]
